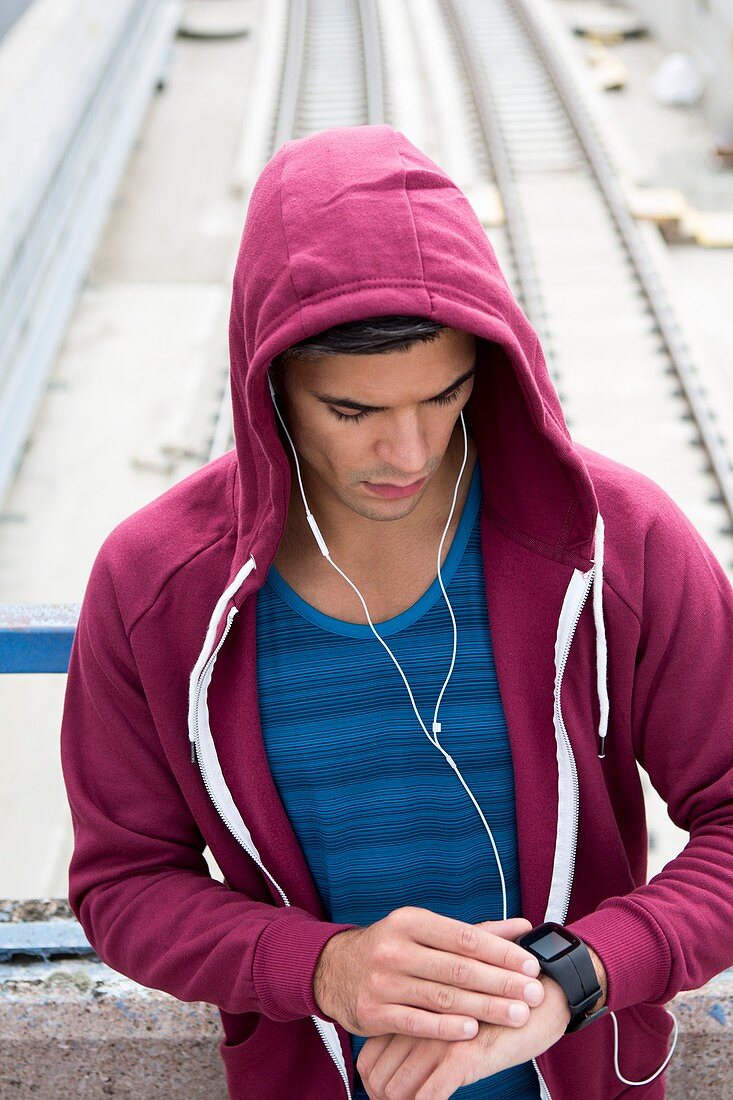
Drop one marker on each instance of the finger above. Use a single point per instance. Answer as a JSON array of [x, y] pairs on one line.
[[370, 1053], [448, 1075], [510, 929], [507, 924], [421, 1062], [499, 997], [441, 1084], [447, 975], [389, 1062], [403, 1019], [476, 941]]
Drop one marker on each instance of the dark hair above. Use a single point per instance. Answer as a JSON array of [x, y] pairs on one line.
[[369, 336]]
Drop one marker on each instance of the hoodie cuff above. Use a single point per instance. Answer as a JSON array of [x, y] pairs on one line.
[[633, 949], [285, 961]]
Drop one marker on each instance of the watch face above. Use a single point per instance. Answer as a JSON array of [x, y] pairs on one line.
[[550, 941], [551, 945]]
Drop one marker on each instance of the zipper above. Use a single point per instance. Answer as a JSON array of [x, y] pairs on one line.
[[568, 748], [320, 1026], [204, 670], [327, 1032], [544, 1091]]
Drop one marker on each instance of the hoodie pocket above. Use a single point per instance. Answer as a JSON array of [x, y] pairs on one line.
[[653, 1019], [278, 1061], [246, 1050]]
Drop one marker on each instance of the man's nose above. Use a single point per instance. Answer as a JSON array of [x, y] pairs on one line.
[[405, 447]]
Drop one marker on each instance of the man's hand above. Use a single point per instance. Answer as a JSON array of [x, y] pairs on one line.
[[421, 974], [423, 1069], [432, 1069]]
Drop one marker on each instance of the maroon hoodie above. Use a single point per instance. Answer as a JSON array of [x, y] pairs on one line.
[[161, 744]]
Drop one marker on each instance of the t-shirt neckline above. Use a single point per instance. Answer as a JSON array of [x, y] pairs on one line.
[[411, 614]]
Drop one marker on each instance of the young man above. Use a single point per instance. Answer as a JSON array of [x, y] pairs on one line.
[[394, 798]]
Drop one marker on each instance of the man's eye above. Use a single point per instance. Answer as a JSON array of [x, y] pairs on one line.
[[342, 416], [446, 399]]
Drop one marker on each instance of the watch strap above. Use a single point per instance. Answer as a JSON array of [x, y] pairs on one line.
[[577, 1023]]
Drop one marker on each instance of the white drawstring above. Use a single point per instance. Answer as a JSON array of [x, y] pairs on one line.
[[601, 647]]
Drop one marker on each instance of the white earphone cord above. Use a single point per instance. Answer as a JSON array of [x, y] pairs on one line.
[[437, 725]]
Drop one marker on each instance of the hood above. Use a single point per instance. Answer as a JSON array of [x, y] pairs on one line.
[[354, 222]]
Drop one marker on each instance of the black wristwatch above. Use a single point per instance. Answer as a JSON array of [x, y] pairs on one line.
[[567, 959]]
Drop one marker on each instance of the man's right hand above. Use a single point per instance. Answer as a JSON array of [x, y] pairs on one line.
[[419, 973]]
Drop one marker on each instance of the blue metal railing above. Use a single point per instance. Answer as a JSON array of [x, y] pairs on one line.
[[37, 637]]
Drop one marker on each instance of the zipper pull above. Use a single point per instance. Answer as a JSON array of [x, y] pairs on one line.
[[193, 752]]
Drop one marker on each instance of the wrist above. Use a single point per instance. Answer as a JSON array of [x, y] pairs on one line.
[[559, 992], [556, 999], [602, 979], [327, 975]]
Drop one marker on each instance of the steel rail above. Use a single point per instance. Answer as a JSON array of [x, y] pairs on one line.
[[519, 244]]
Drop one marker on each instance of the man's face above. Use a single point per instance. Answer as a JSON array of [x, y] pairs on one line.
[[341, 448]]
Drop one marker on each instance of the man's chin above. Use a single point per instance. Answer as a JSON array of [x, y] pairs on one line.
[[383, 510]]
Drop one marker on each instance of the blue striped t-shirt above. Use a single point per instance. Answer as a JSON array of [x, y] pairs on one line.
[[382, 819]]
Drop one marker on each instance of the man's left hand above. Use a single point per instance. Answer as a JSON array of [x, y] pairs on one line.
[[399, 1067]]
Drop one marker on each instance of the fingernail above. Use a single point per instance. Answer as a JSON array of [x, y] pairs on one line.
[[531, 968], [533, 993], [517, 1012], [470, 1027]]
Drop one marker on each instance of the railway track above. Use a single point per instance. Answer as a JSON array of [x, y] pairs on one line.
[[588, 276]]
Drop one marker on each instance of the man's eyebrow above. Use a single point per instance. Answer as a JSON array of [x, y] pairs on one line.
[[347, 403]]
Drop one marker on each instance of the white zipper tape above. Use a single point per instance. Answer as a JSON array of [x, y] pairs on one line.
[[568, 792], [216, 786]]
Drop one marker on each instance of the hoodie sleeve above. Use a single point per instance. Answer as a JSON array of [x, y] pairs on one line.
[[138, 881], [675, 932]]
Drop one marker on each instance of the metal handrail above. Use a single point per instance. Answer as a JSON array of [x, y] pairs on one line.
[[37, 637]]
